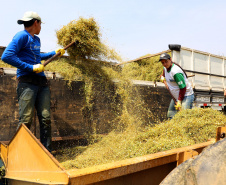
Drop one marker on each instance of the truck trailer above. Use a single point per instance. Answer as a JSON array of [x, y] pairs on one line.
[[207, 75], [206, 72]]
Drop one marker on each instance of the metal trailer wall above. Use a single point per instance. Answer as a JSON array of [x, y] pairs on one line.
[[2, 48], [209, 80], [209, 69], [68, 121]]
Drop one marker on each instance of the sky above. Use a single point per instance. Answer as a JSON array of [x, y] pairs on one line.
[[134, 28]]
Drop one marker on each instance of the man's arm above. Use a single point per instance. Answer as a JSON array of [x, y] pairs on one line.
[[182, 93], [10, 53]]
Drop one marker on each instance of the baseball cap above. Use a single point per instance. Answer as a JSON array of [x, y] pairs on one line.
[[164, 56], [29, 16]]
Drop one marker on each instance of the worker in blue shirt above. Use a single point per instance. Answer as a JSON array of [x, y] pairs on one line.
[[23, 52]]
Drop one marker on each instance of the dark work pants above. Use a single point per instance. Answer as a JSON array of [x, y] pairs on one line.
[[33, 96]]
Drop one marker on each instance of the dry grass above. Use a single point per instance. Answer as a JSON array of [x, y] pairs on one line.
[[188, 127], [3, 64], [129, 138], [2, 172], [147, 69], [90, 46]]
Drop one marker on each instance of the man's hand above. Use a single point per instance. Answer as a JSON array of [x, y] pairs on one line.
[[178, 105], [162, 79], [61, 50], [38, 68]]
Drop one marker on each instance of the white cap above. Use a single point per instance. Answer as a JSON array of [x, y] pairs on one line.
[[29, 16]]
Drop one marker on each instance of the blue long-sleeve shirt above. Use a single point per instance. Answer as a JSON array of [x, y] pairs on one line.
[[23, 52]]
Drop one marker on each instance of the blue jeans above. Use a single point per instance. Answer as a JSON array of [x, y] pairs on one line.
[[186, 104], [32, 96]]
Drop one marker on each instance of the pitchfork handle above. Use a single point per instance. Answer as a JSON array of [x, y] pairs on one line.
[[58, 54]]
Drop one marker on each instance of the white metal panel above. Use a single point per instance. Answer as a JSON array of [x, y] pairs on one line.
[[216, 66], [216, 83], [224, 73], [176, 56], [186, 60], [201, 82], [201, 62], [224, 61], [205, 63]]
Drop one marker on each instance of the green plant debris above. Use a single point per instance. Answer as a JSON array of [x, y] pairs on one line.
[[131, 134], [188, 127], [148, 69], [2, 172], [90, 46], [124, 102], [97, 84], [5, 65], [134, 130]]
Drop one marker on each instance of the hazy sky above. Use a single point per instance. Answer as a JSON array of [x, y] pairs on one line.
[[133, 27]]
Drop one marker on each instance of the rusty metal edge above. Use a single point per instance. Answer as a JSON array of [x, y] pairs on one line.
[[50, 156], [220, 132], [38, 142], [35, 181], [2, 156]]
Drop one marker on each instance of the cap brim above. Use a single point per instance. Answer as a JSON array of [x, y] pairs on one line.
[[166, 58], [163, 59], [21, 21]]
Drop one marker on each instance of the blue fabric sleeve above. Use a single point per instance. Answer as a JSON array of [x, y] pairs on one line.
[[45, 56], [10, 53]]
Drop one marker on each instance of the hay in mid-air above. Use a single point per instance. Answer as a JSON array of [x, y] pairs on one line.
[[87, 33]]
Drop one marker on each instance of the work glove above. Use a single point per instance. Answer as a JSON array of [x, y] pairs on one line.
[[38, 68], [61, 50], [178, 105], [162, 79]]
